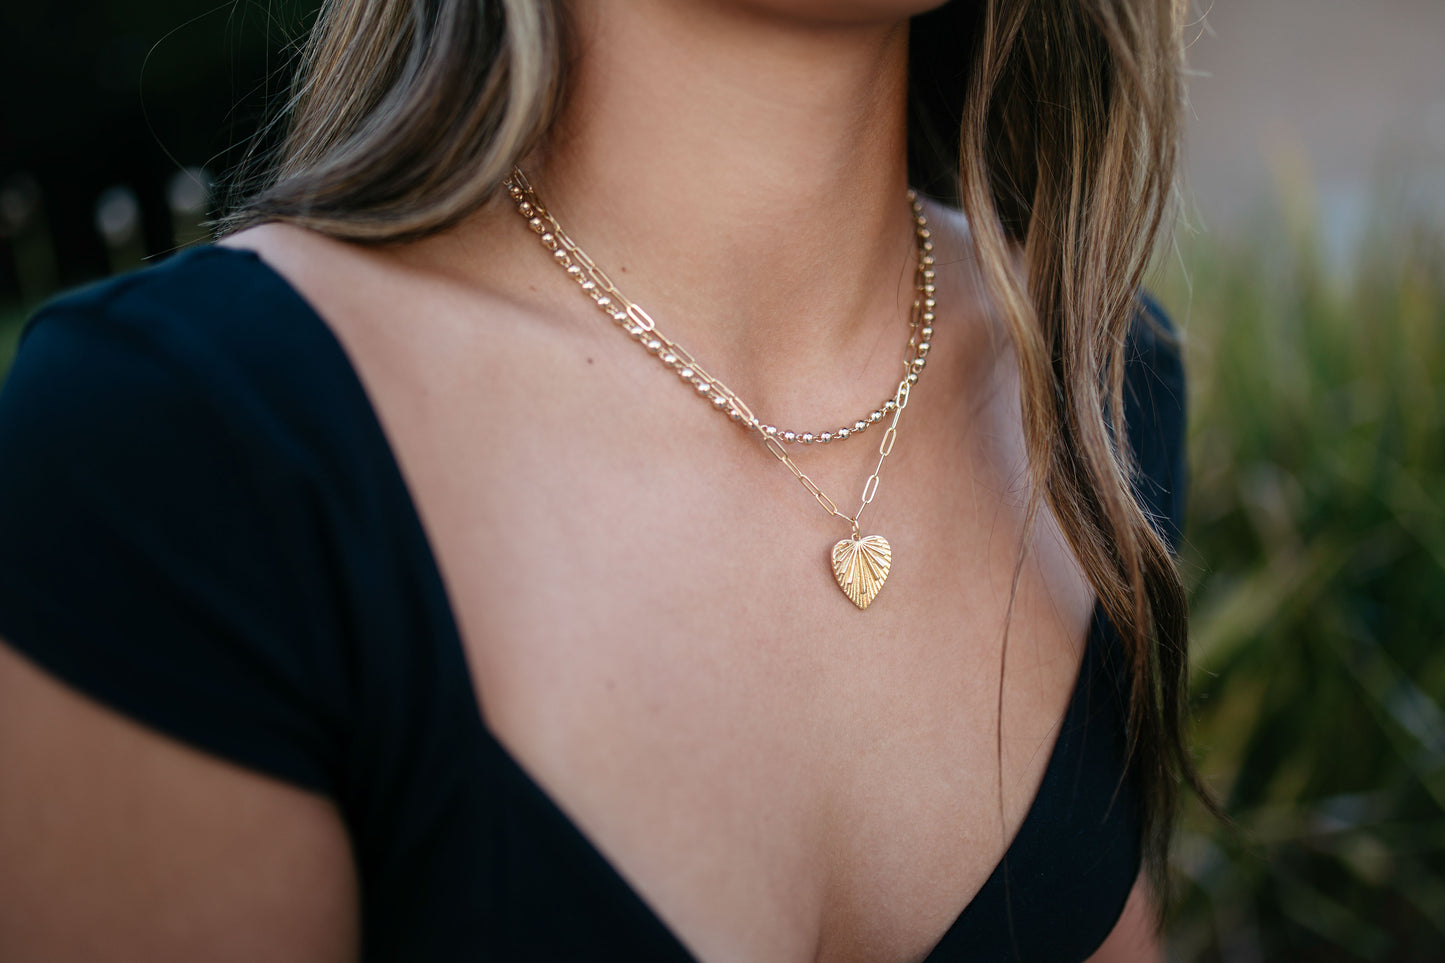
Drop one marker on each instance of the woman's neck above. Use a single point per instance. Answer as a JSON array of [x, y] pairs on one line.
[[743, 175]]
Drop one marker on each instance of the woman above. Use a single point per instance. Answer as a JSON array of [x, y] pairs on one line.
[[447, 617]]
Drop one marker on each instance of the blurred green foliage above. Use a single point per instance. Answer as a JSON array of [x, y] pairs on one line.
[[1315, 546]]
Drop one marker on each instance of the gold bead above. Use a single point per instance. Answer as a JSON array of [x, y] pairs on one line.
[[639, 326]]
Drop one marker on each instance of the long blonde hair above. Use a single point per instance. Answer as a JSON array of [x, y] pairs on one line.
[[1054, 124]]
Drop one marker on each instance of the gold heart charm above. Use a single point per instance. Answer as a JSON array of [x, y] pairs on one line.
[[861, 567]]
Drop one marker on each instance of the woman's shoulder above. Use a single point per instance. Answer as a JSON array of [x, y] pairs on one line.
[[1154, 350], [207, 280], [210, 308], [1156, 413], [175, 465], [211, 341]]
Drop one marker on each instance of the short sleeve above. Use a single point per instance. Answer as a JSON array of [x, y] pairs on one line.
[[158, 551], [1155, 414]]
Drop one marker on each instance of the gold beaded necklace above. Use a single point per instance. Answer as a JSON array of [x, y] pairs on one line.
[[860, 562]]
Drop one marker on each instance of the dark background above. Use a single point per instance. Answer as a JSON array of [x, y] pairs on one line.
[[123, 95]]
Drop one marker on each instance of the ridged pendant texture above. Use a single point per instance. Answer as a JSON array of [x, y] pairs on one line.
[[861, 567]]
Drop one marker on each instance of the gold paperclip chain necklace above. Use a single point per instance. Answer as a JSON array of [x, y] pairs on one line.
[[860, 562]]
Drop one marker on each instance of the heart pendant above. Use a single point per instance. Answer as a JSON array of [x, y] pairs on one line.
[[861, 567]]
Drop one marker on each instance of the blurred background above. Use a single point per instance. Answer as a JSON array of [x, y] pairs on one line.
[[1308, 276], [1310, 284]]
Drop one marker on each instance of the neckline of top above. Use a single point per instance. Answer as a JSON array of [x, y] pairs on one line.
[[367, 412]]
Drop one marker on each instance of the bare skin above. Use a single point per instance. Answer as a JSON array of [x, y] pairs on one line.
[[643, 592], [119, 844]]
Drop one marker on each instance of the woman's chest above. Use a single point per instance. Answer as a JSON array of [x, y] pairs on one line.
[[654, 632]]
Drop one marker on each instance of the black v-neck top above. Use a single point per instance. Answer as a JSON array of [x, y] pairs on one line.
[[202, 525]]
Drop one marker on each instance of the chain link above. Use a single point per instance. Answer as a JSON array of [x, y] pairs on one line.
[[640, 325]]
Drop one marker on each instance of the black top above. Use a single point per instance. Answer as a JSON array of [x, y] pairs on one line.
[[202, 525]]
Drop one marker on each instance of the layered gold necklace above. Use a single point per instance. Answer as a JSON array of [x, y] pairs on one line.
[[860, 562]]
